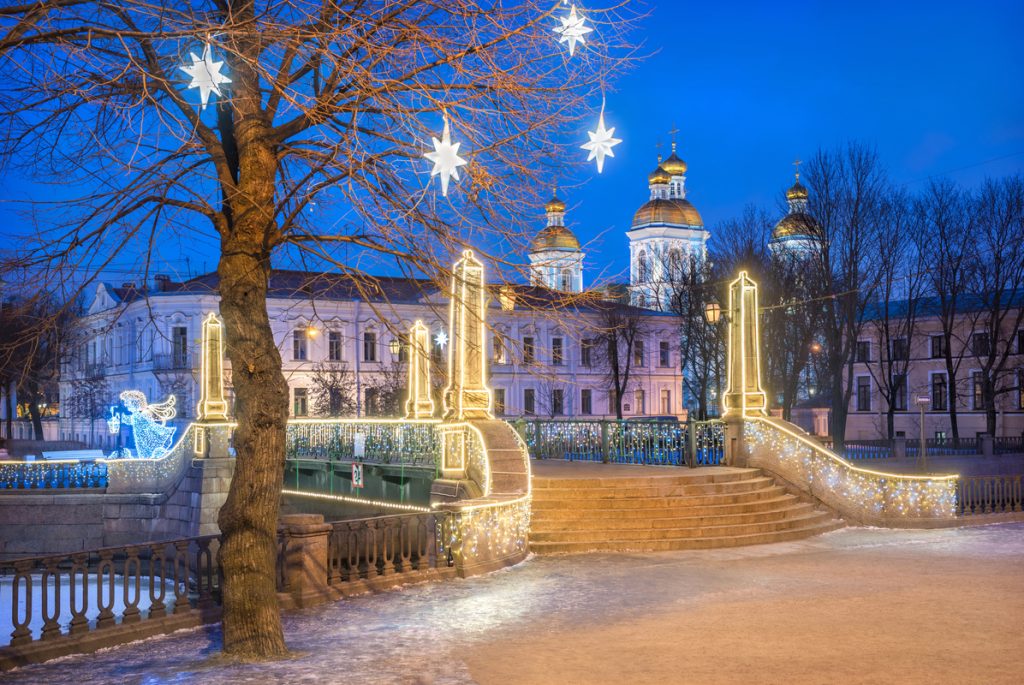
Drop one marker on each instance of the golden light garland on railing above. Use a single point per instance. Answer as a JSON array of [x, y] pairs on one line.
[[486, 531], [875, 493]]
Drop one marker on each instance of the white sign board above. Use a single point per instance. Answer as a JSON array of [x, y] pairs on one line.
[[357, 476]]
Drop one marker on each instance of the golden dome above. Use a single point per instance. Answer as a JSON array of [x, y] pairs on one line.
[[554, 238], [659, 175], [658, 211], [795, 224], [797, 192], [554, 205], [673, 165]]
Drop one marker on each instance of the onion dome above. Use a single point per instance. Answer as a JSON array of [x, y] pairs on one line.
[[797, 192], [554, 238], [659, 176], [678, 212], [673, 165], [554, 205], [796, 224]]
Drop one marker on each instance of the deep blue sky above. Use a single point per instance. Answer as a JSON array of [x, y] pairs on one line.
[[937, 87]]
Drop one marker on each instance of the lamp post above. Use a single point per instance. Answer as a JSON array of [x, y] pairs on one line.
[[922, 453]]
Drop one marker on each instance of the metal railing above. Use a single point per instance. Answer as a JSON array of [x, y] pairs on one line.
[[626, 442], [988, 494], [944, 447], [1008, 445], [53, 475], [382, 442], [366, 549], [174, 361], [58, 596]]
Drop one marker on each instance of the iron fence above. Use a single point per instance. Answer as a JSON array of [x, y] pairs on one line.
[[53, 475], [988, 494], [626, 442]]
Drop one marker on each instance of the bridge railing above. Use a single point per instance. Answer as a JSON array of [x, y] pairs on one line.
[[366, 549], [989, 495], [53, 475], [412, 443], [626, 441]]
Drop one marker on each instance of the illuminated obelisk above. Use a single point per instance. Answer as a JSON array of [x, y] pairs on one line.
[[419, 404], [467, 396], [212, 406], [743, 395]]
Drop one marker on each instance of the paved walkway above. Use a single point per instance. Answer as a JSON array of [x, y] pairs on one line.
[[854, 606]]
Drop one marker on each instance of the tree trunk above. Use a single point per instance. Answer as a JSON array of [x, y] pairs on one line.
[[954, 423], [37, 419], [9, 406], [890, 422], [838, 417]]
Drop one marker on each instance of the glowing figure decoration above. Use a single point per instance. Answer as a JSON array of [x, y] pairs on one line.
[[601, 142], [743, 394], [206, 76], [212, 406], [445, 158], [153, 437], [572, 30], [419, 404]]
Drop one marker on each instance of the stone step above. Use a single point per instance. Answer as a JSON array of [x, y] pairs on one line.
[[769, 492], [787, 521], [778, 510], [798, 533], [652, 490], [673, 476], [568, 516]]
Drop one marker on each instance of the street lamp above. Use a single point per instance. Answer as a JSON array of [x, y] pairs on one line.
[[922, 453], [395, 346], [713, 312], [311, 331]]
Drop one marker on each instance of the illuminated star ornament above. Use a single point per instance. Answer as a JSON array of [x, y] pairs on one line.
[[572, 30], [601, 142], [205, 75], [441, 339], [445, 158]]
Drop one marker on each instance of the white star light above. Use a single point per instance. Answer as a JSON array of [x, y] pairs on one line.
[[601, 142], [441, 338], [445, 158], [205, 75], [572, 30]]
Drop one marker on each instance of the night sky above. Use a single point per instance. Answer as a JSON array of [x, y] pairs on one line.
[[937, 87]]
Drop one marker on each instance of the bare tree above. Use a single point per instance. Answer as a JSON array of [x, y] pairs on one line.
[[387, 388], [998, 284], [30, 343], [621, 333], [333, 389], [327, 99], [846, 191]]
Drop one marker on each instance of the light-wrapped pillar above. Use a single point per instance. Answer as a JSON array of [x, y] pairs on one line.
[[467, 395], [743, 394], [212, 406], [419, 404]]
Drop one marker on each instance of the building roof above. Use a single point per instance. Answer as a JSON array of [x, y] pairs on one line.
[[675, 212], [932, 305]]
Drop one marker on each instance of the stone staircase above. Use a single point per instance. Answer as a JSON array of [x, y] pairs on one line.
[[700, 509]]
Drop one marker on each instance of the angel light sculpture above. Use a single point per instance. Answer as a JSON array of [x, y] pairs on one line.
[[153, 437]]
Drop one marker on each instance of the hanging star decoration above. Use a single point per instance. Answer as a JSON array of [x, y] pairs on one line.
[[205, 75], [445, 158], [572, 30], [601, 142], [441, 339]]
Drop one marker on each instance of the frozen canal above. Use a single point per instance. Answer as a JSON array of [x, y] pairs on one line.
[[854, 606]]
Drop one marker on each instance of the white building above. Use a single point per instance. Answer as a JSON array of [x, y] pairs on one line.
[[666, 238], [556, 261]]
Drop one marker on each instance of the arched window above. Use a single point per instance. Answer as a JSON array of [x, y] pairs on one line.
[[675, 264], [643, 269], [566, 279]]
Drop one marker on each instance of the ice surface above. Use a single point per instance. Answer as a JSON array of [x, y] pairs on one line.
[[423, 633]]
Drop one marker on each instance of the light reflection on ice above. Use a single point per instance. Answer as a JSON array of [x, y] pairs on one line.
[[415, 634]]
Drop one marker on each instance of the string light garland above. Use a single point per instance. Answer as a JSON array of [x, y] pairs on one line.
[[486, 532], [445, 158], [601, 141], [573, 29], [206, 76]]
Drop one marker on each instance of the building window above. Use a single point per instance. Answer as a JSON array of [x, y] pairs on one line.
[[500, 351], [557, 356], [899, 391], [638, 353], [1020, 388], [940, 437], [369, 346], [566, 279], [978, 391], [334, 346], [529, 353], [979, 345], [664, 356], [863, 393], [529, 402], [666, 402], [642, 268], [899, 349], [641, 401], [940, 392], [557, 402], [300, 351], [863, 351], [499, 401], [179, 347], [587, 401], [938, 346], [587, 353], [300, 405], [403, 347]]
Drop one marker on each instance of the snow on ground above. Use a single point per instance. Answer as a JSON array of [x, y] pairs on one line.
[[855, 606]]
